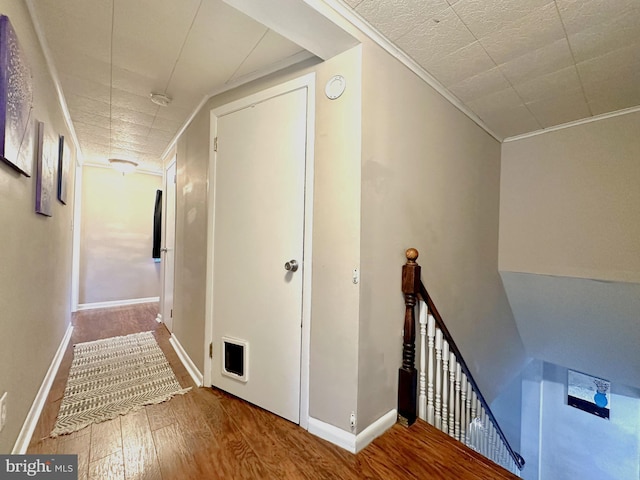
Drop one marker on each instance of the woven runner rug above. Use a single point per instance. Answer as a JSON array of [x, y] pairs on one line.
[[112, 377]]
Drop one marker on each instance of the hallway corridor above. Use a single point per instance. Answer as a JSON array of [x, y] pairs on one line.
[[208, 434]]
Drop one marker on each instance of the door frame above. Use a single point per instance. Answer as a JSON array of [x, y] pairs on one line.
[[308, 82], [163, 235]]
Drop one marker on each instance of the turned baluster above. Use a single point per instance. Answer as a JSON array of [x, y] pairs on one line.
[[422, 382], [452, 393], [431, 332], [445, 386], [438, 402], [456, 417], [463, 408]]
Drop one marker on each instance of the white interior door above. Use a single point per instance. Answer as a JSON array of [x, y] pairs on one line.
[[258, 227], [169, 246]]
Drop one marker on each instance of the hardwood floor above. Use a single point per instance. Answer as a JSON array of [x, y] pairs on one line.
[[208, 434]]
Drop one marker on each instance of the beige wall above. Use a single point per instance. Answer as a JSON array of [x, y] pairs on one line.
[[570, 248], [192, 167], [430, 180], [570, 202], [336, 241], [117, 236], [35, 256]]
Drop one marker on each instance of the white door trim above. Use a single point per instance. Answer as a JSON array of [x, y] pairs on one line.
[[163, 236], [75, 242], [308, 82]]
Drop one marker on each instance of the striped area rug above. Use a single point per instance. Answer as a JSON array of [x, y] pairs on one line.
[[112, 377]]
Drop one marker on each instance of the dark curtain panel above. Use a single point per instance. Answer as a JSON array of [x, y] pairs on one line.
[[157, 225]]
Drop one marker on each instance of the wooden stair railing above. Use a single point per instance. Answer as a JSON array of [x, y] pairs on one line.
[[449, 397]]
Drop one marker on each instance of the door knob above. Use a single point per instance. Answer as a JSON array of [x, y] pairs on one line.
[[164, 249], [291, 266]]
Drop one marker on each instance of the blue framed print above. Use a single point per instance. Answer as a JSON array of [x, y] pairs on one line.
[[591, 394]]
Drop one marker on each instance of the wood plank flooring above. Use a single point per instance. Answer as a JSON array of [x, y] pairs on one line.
[[208, 434]]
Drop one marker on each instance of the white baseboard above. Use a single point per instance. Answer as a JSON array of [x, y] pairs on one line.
[[29, 425], [117, 303], [376, 429], [350, 441], [196, 375]]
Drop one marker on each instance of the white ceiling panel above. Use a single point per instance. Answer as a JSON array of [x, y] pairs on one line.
[[485, 83], [551, 85], [110, 56], [522, 65], [603, 38], [131, 116], [88, 105], [511, 120], [83, 87], [77, 26], [167, 22], [131, 101], [436, 38], [394, 18], [79, 63], [561, 109], [484, 17], [533, 31], [580, 14], [469, 61], [90, 118], [270, 49], [547, 59], [621, 62], [496, 101]]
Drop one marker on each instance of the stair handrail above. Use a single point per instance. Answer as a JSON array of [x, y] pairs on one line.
[[413, 289]]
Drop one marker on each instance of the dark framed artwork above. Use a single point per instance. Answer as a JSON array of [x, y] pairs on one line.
[[63, 170], [16, 102], [45, 171], [157, 225], [588, 393]]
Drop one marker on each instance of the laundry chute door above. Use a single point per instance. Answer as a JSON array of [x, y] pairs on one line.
[[257, 252]]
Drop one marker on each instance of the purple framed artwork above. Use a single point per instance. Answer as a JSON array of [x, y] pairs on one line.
[[63, 170], [16, 102], [45, 171]]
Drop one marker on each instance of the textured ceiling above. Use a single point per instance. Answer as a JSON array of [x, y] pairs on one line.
[[111, 54], [521, 65]]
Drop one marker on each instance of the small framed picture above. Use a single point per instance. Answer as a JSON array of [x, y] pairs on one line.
[[591, 394], [63, 169]]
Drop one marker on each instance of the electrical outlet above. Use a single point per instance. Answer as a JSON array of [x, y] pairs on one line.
[[3, 410], [352, 420]]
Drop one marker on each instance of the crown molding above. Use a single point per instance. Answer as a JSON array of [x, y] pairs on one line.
[[350, 15], [575, 123]]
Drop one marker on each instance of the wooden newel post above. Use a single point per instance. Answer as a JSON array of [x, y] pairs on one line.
[[408, 375]]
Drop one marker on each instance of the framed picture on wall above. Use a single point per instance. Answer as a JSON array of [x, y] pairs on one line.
[[63, 170], [591, 394], [45, 170], [16, 102]]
